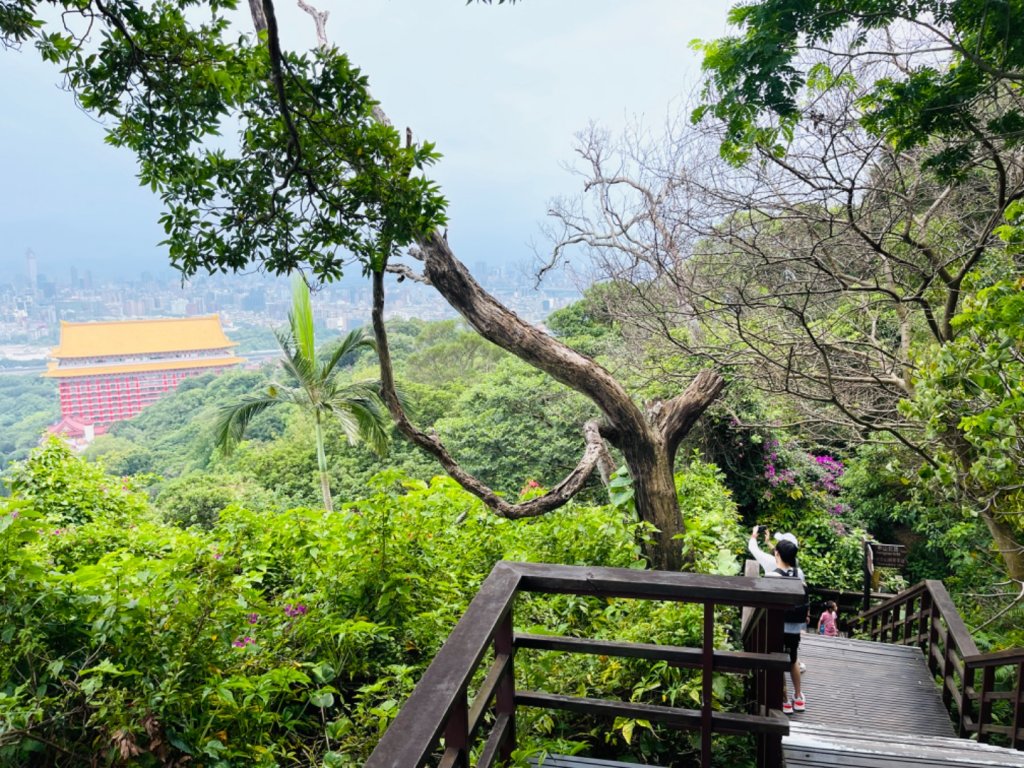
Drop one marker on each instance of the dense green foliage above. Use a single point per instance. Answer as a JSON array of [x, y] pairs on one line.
[[451, 380], [226, 619], [28, 404], [291, 637], [175, 434]]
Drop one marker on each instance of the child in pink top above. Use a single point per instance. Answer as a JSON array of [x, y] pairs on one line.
[[827, 623]]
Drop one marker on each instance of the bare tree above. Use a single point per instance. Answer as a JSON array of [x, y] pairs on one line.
[[819, 272]]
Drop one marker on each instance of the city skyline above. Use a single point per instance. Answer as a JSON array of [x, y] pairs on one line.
[[30, 317]]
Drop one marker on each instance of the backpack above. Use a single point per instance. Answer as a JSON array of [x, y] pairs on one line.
[[796, 614]]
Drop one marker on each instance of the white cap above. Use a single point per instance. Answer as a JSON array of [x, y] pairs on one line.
[[787, 537]]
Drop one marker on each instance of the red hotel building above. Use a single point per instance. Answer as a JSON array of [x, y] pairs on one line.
[[108, 372]]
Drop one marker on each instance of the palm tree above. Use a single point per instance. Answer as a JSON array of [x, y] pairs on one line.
[[314, 387]]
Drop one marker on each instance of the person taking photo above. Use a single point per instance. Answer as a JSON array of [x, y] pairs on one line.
[[782, 564]]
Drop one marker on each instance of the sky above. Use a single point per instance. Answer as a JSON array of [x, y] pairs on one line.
[[500, 89]]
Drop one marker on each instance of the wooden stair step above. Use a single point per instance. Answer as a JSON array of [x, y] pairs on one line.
[[818, 746], [572, 761]]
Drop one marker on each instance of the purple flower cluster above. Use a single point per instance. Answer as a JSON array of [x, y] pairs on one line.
[[253, 618], [831, 470], [241, 642], [807, 471], [299, 609], [776, 477]]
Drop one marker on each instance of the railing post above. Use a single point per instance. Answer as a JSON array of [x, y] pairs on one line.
[[775, 688], [505, 696], [867, 579], [1016, 740], [707, 665], [988, 684], [933, 638], [456, 735], [908, 620], [760, 677], [966, 705], [947, 666], [924, 627]]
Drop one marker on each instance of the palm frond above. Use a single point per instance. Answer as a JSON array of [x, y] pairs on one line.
[[361, 414], [301, 370], [300, 320], [373, 426], [234, 419], [349, 344]]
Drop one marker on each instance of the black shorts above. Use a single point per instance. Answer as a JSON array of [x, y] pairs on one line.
[[791, 641]]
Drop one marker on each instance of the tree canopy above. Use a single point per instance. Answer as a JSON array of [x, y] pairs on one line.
[[952, 76]]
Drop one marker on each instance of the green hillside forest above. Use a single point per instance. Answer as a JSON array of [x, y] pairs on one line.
[[805, 310]]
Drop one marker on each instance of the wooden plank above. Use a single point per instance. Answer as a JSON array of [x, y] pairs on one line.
[[808, 747], [961, 635], [877, 610], [724, 661], [573, 761], [996, 659], [483, 697], [414, 732], [659, 585], [499, 733], [803, 729], [675, 717], [861, 684]]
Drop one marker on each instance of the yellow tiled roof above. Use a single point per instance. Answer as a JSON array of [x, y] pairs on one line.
[[129, 337], [54, 372]]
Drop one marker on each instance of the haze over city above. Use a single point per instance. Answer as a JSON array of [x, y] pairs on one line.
[[500, 89]]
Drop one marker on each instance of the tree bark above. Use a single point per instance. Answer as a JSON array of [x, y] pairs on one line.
[[553, 499], [1009, 549]]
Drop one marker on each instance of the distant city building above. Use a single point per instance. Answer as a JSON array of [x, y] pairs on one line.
[[32, 268], [108, 372]]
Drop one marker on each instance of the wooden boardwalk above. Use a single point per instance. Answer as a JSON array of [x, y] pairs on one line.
[[872, 705], [869, 705], [863, 685]]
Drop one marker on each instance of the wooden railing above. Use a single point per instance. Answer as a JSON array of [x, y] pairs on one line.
[[925, 616], [439, 708]]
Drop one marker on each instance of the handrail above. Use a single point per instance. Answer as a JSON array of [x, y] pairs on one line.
[[439, 706], [925, 615]]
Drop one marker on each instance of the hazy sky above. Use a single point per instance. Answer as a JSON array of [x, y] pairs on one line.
[[500, 89]]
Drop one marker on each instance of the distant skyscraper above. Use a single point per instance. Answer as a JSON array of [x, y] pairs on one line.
[[32, 264]]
